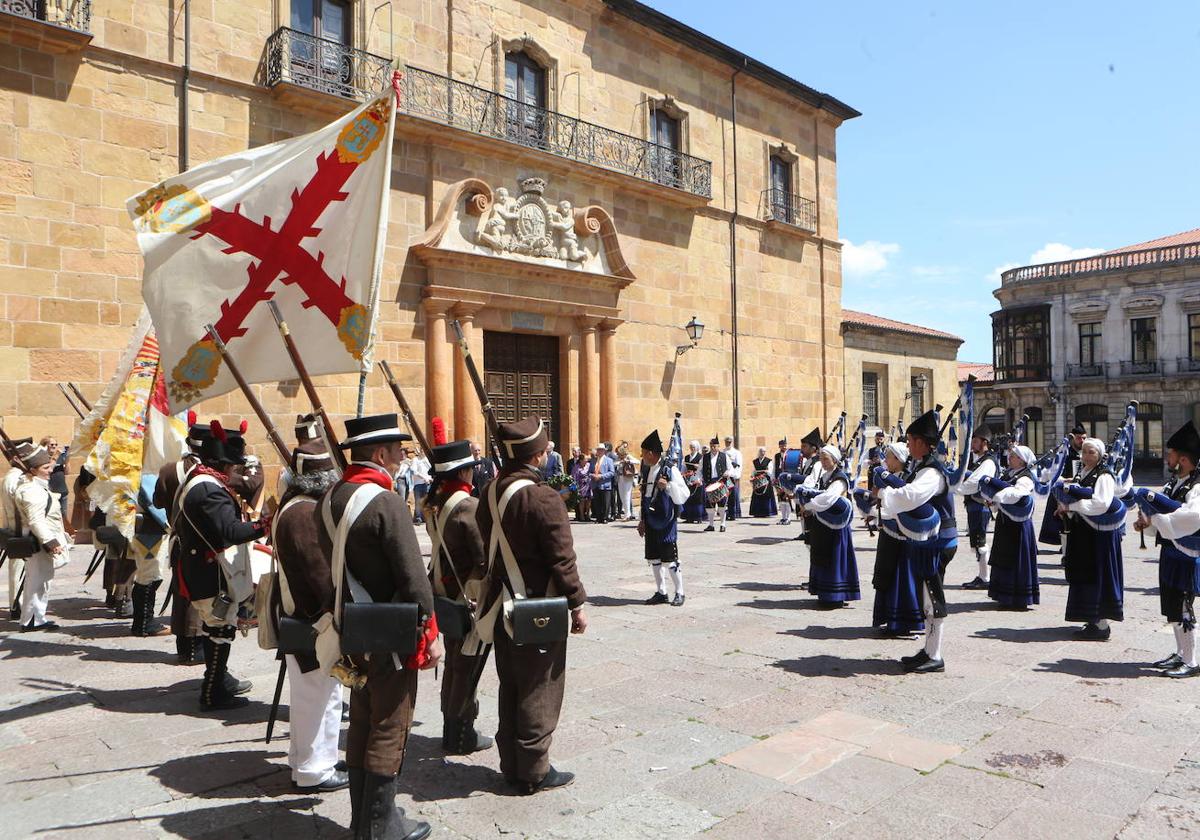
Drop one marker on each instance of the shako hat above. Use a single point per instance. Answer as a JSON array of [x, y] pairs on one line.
[[524, 438], [223, 446], [375, 429], [653, 443], [310, 457], [925, 426], [813, 438], [983, 432], [451, 457], [34, 456], [306, 428], [1186, 440]]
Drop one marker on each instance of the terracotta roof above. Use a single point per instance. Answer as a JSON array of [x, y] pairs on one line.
[[1188, 237], [864, 319], [984, 372]]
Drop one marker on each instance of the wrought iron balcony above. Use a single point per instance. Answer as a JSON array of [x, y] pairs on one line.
[[1084, 371], [464, 106], [1148, 366], [73, 14], [323, 65], [1185, 364], [782, 206]]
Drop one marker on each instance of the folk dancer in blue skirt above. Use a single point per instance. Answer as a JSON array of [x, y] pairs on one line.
[[762, 487], [1177, 521], [1093, 523], [982, 463], [1014, 582], [693, 508], [897, 610], [663, 494], [926, 494], [833, 571], [1051, 531]]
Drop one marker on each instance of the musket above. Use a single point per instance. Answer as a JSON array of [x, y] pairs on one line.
[[78, 395], [97, 556], [318, 407], [10, 451], [406, 410], [75, 407], [264, 418], [489, 413], [275, 702]]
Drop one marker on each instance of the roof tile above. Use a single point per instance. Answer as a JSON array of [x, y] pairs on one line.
[[864, 319]]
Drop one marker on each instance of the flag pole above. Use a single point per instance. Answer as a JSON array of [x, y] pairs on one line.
[[72, 403], [406, 410], [272, 433], [318, 407]]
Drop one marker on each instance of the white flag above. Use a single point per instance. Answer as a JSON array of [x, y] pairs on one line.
[[302, 221]]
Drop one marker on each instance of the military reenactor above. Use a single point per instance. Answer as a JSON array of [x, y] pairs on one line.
[[522, 509], [981, 463], [41, 518], [663, 495], [383, 557], [306, 592], [457, 563], [10, 519]]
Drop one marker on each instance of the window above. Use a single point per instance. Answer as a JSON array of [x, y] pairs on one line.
[[781, 189], [995, 418], [330, 21], [1021, 344], [870, 396], [525, 87], [918, 383], [667, 135], [1148, 439], [1194, 338], [1090, 352], [1144, 340], [1033, 429], [1094, 418]]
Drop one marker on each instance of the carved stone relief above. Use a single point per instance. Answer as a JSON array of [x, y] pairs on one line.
[[528, 225]]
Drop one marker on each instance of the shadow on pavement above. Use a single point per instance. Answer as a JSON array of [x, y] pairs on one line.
[[40, 645], [836, 666], [1027, 634], [429, 775], [821, 633], [794, 604], [763, 540], [609, 601], [1099, 670], [757, 586], [181, 698]]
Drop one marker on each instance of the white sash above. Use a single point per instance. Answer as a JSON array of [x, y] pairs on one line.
[[485, 625]]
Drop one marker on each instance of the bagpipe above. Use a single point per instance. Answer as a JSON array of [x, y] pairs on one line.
[[835, 517], [1118, 460], [671, 460], [1150, 502], [919, 525], [790, 471]]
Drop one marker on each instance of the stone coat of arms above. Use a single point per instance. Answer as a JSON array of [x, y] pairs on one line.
[[528, 225]]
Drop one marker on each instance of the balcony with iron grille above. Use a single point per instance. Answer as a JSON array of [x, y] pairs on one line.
[[435, 98], [789, 209], [1145, 367], [299, 64], [1085, 371], [1186, 364], [55, 26]]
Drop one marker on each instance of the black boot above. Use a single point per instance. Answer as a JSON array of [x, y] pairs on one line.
[[151, 626], [214, 695], [188, 649], [459, 736], [357, 780], [380, 818], [139, 610], [122, 608]]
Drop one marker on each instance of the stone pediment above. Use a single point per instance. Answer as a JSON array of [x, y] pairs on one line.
[[1190, 301], [493, 230], [1142, 303], [1090, 308]]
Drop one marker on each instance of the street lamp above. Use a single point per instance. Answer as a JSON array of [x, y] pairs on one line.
[[695, 331], [919, 383]]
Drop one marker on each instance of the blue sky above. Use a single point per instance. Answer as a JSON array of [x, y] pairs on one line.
[[993, 134]]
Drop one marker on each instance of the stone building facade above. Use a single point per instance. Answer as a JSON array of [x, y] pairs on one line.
[[893, 367], [666, 146], [1074, 341]]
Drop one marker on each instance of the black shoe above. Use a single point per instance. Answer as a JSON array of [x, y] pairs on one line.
[[33, 628], [345, 713], [657, 598], [799, 537], [1183, 672], [678, 600], [910, 662], [553, 779], [379, 815], [709, 528], [931, 666], [1093, 633], [338, 780], [722, 529], [235, 686], [1172, 661], [14, 613], [978, 583]]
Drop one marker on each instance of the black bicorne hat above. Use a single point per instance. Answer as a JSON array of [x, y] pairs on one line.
[[925, 426], [1186, 440], [813, 438], [222, 446], [653, 443], [376, 429]]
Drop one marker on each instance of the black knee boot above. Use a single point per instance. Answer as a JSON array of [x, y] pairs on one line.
[[380, 818], [151, 626], [187, 648], [357, 781], [139, 610], [459, 736], [214, 694]]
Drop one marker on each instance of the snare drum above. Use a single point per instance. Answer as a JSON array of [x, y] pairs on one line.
[[717, 493], [692, 479], [761, 482]]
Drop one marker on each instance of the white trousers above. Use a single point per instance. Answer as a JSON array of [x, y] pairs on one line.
[[150, 564], [625, 488], [14, 579], [39, 571], [315, 722]]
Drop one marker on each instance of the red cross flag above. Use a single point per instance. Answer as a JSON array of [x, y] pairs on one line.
[[302, 222]]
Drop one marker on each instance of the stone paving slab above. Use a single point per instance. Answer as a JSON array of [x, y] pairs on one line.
[[747, 713]]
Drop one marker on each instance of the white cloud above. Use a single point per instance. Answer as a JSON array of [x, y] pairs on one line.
[[1048, 253], [866, 259]]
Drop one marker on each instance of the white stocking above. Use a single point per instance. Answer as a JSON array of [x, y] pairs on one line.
[[1177, 628], [1102, 624], [983, 554], [1187, 648], [933, 635], [785, 511], [676, 578], [658, 577]]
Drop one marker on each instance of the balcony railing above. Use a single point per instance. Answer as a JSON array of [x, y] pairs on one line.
[[1149, 257], [324, 65], [1184, 364], [480, 111], [1084, 371], [1148, 366], [73, 14], [782, 206]]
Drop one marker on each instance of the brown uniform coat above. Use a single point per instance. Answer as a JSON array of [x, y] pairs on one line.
[[464, 545]]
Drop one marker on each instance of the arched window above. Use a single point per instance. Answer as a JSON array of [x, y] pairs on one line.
[[1033, 429], [1148, 439], [996, 419], [1094, 418]]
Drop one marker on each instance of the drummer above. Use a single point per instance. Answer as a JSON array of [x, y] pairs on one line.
[[762, 499], [715, 469]]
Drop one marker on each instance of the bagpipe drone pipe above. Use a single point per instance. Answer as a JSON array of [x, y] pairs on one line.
[[1020, 510], [919, 525], [1118, 460], [1150, 502], [834, 517]]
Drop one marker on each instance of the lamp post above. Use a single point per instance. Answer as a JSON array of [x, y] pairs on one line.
[[918, 394], [695, 331]]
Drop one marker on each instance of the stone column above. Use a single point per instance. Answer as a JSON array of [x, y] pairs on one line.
[[468, 417], [608, 389], [438, 364], [589, 383]]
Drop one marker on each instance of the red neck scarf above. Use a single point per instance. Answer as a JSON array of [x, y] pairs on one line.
[[363, 473], [202, 469], [453, 485]]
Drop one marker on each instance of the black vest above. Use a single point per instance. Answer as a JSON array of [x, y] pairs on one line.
[[942, 501], [973, 463]]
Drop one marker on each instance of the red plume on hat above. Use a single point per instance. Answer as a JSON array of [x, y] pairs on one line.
[[245, 424], [217, 431], [438, 426], [191, 417]]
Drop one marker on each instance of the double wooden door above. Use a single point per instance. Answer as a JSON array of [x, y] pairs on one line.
[[520, 373]]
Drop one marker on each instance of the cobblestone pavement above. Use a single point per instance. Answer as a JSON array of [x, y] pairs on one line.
[[747, 713]]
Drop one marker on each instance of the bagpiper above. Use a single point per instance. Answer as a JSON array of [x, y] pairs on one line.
[[1014, 580], [663, 493], [981, 463]]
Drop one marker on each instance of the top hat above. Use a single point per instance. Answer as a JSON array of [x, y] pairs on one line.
[[375, 429]]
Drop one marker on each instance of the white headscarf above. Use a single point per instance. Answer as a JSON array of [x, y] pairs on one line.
[[1096, 444], [898, 448], [1025, 454], [834, 453], [695, 445]]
